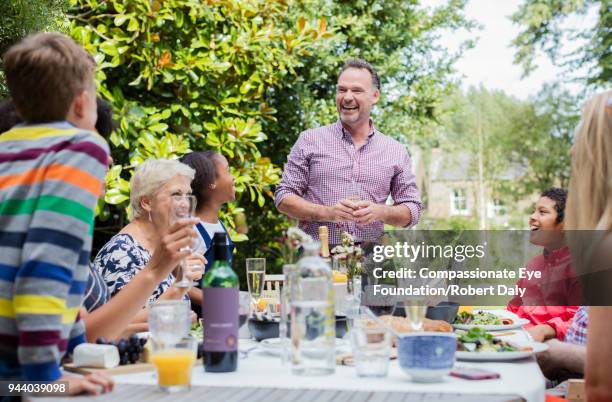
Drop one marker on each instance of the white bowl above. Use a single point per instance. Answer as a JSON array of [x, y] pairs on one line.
[[426, 356]]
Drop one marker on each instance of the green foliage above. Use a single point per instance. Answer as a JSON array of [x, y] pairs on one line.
[[524, 145], [19, 18], [189, 75], [4, 91], [542, 22], [475, 125], [400, 39], [452, 224], [245, 77], [541, 140]]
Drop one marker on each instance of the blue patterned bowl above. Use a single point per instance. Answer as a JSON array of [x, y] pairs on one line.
[[426, 356]]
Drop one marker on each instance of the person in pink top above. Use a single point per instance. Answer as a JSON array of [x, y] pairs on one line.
[[341, 175], [549, 303]]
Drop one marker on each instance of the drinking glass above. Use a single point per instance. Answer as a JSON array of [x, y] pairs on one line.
[[256, 272], [173, 363], [244, 309], [415, 312], [355, 197], [371, 346], [169, 320], [183, 207]]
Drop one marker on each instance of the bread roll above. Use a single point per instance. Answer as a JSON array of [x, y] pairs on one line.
[[402, 325]]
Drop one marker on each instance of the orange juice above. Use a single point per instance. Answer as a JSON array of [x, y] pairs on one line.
[[173, 366]]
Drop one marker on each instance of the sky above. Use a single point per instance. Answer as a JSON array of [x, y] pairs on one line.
[[490, 62]]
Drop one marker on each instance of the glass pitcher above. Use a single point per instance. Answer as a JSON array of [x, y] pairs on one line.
[[313, 332]]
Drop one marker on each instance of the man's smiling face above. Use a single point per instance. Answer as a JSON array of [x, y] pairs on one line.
[[355, 96]]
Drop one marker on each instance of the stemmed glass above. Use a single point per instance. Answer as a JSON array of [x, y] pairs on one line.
[[416, 309], [182, 207], [244, 308], [256, 272]]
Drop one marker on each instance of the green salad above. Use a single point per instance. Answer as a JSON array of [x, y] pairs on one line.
[[478, 318], [197, 331], [479, 340]]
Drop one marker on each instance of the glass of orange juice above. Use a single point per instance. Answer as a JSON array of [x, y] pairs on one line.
[[174, 363]]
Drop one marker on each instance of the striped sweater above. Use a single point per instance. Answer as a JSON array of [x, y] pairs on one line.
[[51, 176]]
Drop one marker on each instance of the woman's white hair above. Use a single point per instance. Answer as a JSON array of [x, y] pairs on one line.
[[150, 176]]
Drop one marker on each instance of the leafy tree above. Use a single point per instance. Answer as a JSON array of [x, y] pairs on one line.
[[187, 75], [472, 130], [245, 77], [530, 139], [542, 22], [19, 18], [400, 39], [541, 138]]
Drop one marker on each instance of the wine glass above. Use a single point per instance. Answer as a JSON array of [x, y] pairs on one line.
[[244, 309], [182, 207], [415, 309], [256, 271]]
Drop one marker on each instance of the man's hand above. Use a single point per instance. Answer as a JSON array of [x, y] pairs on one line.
[[542, 332], [368, 212], [91, 384], [342, 211]]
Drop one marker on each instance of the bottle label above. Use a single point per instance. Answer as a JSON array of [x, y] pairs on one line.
[[220, 316]]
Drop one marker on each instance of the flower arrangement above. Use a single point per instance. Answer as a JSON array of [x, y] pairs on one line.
[[349, 255], [292, 242]]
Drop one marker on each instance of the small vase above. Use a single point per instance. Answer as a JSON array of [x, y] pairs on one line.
[[349, 286]]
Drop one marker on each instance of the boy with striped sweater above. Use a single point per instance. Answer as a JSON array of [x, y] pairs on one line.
[[51, 174]]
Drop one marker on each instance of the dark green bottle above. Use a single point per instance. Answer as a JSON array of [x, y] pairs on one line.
[[220, 310]]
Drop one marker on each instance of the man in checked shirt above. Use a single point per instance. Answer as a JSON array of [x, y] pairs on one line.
[[341, 175]]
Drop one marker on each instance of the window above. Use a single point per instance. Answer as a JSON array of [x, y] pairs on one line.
[[458, 202], [496, 208]]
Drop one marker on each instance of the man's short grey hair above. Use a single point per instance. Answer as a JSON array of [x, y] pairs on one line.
[[360, 63], [150, 176]]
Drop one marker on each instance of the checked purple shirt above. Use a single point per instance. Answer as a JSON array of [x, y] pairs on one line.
[[577, 332], [324, 167]]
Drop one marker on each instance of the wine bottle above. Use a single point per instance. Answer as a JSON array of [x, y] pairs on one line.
[[324, 239], [220, 311]]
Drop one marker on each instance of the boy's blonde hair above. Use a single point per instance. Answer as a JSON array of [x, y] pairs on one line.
[[44, 73]]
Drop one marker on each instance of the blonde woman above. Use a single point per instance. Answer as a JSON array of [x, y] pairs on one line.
[[152, 187], [589, 225]]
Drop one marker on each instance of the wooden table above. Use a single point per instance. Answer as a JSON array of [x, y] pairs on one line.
[[148, 393]]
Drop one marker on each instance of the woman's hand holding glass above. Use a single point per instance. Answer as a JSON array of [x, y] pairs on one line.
[[194, 267], [182, 206], [173, 247]]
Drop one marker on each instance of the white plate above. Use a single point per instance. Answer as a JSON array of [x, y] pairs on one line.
[[502, 356], [272, 346], [518, 322]]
